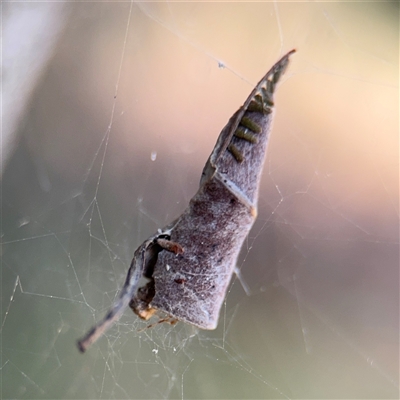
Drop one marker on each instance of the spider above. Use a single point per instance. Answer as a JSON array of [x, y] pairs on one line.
[[184, 270]]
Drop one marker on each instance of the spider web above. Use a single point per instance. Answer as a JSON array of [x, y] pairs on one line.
[[112, 149]]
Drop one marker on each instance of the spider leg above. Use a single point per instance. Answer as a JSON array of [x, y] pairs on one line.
[[127, 292], [136, 271], [171, 320], [113, 314], [168, 245]]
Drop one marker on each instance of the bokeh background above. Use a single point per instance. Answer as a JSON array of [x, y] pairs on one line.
[[106, 140]]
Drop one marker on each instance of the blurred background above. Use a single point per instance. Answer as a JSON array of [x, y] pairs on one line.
[[110, 111]]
